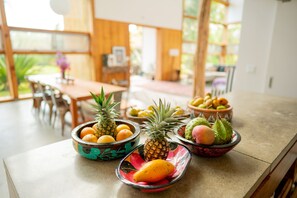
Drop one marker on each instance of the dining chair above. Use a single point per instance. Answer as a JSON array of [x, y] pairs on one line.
[[46, 99], [60, 107], [222, 85], [36, 97]]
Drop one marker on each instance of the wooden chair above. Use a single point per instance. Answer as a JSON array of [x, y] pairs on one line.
[[46, 99], [36, 96], [60, 107]]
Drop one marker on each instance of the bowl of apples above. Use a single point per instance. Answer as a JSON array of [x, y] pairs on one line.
[[209, 107]]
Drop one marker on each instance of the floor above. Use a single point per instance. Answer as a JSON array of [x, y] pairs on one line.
[[21, 130]]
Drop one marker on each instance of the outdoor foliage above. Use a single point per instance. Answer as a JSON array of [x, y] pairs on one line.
[[23, 66]]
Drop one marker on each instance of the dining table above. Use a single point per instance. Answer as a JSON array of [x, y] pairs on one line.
[[77, 90]]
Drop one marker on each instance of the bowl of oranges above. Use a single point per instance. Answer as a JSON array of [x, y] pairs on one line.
[[89, 142], [210, 106]]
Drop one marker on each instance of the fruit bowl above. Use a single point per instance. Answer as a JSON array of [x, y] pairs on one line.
[[211, 114], [139, 120], [179, 156], [105, 151], [207, 150]]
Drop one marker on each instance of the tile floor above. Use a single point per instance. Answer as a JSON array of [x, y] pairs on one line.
[[21, 130]]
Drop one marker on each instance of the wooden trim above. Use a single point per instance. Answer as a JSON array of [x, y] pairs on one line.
[[11, 73], [189, 16], [218, 23], [47, 31], [47, 52], [224, 2], [201, 52]]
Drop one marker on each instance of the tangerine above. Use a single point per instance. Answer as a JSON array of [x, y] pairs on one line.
[[90, 138], [105, 139], [121, 127], [85, 131], [95, 127], [123, 134]]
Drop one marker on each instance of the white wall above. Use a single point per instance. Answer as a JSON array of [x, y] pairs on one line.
[[268, 48], [235, 11], [283, 55], [157, 13], [254, 49]]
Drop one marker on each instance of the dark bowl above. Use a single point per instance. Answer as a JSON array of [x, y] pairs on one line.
[[105, 151], [207, 150], [179, 156], [211, 114]]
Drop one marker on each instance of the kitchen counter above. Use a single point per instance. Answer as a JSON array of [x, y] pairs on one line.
[[267, 125]]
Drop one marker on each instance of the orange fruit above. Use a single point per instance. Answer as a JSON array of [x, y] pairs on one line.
[[86, 131], [105, 139], [121, 127], [95, 126], [123, 134], [90, 138]]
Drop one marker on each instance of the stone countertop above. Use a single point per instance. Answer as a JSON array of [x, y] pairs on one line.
[[267, 133], [267, 125], [57, 170]]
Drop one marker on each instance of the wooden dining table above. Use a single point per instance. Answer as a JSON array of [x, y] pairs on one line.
[[77, 90]]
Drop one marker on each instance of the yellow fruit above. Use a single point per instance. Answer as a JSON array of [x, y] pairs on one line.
[[198, 102], [121, 127], [134, 112], [150, 107], [106, 139], [85, 131], [90, 138], [143, 114], [123, 134], [178, 112], [154, 171]]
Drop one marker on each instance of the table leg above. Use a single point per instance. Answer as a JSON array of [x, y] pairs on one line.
[[74, 114]]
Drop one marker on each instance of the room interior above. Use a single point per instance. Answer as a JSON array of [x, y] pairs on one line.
[[146, 48]]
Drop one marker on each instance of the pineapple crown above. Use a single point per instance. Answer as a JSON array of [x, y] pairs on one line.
[[105, 107], [161, 121]]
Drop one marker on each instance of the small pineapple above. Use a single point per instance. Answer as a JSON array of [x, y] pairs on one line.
[[158, 125], [106, 113]]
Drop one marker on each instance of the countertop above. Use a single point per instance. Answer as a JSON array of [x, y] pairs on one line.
[[267, 125]]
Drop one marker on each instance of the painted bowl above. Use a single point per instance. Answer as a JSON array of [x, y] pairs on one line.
[[211, 114], [207, 150], [105, 151], [179, 156]]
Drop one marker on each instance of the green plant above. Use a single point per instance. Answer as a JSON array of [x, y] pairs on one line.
[[23, 66]]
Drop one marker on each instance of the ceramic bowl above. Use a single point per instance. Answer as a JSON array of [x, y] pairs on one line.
[[141, 120], [105, 151], [179, 156], [211, 114], [206, 150]]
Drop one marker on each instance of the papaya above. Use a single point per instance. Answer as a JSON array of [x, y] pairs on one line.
[[154, 171], [194, 122]]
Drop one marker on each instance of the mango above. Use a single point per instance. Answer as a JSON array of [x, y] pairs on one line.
[[154, 171], [203, 135]]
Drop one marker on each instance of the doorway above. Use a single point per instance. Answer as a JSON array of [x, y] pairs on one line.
[[143, 45]]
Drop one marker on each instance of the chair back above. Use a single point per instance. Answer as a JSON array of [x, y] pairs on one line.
[[223, 85]]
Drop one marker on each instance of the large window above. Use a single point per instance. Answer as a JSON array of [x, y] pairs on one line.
[[36, 34], [223, 38]]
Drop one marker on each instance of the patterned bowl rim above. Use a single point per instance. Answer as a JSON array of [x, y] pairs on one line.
[[236, 138], [150, 187], [209, 110], [74, 134]]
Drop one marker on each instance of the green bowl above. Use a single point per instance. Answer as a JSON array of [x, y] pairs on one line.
[[105, 151]]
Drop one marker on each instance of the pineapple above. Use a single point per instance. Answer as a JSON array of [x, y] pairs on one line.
[[158, 125], [106, 113]]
